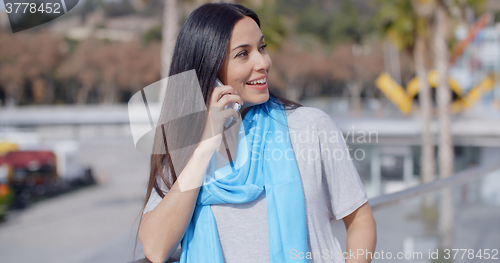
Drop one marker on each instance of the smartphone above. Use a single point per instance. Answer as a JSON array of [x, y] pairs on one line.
[[236, 106]]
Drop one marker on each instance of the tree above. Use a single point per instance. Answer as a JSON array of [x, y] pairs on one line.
[[11, 73], [445, 21], [441, 40], [170, 30], [407, 24], [28, 60], [356, 67], [293, 67], [436, 16], [110, 68], [82, 66], [446, 155], [273, 25], [424, 11], [296, 69]]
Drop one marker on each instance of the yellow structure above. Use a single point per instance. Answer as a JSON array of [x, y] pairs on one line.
[[414, 85], [6, 147], [394, 92], [475, 93], [403, 99]]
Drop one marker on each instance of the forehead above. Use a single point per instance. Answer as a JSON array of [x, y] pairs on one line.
[[245, 31]]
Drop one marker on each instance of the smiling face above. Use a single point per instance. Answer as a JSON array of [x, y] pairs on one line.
[[247, 63]]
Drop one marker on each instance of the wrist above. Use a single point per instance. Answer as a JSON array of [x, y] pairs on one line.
[[210, 145]]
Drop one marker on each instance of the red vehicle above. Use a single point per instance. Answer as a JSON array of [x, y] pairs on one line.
[[33, 174]]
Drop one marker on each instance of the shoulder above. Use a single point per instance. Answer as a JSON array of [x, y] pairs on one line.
[[309, 112], [308, 116]]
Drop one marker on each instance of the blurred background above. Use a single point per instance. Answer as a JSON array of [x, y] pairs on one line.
[[413, 84]]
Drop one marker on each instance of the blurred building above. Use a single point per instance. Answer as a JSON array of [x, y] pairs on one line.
[[480, 58]]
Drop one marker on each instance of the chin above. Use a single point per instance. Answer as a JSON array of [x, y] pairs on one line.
[[259, 99]]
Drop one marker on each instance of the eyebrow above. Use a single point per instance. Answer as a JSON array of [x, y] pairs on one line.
[[246, 45]]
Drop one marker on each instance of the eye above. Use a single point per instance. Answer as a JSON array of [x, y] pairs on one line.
[[242, 53], [263, 47]]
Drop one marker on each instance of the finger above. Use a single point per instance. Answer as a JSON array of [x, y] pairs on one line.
[[225, 100], [219, 91]]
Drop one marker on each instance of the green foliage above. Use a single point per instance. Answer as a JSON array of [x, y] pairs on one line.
[[291, 7], [313, 21], [346, 24], [71, 44], [343, 25], [152, 35], [479, 6], [273, 24], [398, 22]]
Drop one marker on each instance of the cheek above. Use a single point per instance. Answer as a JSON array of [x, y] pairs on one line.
[[240, 75], [235, 72]]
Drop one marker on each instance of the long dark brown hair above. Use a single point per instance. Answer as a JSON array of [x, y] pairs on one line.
[[201, 45]]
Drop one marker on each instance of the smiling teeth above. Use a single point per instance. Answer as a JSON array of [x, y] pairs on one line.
[[260, 81]]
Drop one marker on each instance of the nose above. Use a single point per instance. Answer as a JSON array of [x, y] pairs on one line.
[[261, 63]]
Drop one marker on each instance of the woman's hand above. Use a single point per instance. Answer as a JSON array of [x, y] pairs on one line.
[[212, 134]]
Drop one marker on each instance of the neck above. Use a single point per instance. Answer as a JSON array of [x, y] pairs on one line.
[[244, 111]]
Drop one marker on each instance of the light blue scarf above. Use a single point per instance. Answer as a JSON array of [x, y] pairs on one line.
[[267, 163]]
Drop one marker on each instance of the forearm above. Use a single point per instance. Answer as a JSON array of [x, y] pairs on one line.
[[163, 228], [361, 239]]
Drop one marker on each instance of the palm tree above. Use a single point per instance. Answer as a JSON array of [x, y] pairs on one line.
[[424, 11], [406, 24], [443, 91], [446, 156], [442, 31], [170, 30]]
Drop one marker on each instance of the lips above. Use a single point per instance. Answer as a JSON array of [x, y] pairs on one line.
[[258, 85]]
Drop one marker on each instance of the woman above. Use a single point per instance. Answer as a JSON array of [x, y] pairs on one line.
[[275, 201]]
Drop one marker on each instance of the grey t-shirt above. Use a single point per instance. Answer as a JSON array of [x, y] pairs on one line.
[[332, 190]]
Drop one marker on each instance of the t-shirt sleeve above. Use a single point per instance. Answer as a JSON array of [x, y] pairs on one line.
[[155, 198], [153, 201], [345, 188]]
